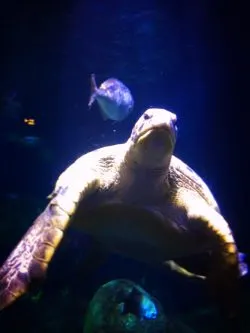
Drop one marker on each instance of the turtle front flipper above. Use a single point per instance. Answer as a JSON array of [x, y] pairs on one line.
[[224, 272], [29, 260]]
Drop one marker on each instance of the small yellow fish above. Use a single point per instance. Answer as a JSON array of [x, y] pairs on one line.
[[29, 121]]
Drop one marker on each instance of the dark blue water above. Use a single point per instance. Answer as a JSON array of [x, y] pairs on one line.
[[189, 57]]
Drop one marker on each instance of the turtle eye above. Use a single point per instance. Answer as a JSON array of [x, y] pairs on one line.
[[146, 116]]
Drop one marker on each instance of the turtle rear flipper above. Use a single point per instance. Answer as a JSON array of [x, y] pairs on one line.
[[182, 270]]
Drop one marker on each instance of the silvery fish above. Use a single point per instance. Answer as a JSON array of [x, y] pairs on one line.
[[114, 98]]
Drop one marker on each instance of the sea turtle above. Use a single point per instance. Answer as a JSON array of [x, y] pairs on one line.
[[138, 199]]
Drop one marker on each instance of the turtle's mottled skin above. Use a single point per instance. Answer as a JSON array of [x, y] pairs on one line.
[[135, 198]]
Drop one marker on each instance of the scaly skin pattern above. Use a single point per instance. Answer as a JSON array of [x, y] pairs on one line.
[[153, 207]]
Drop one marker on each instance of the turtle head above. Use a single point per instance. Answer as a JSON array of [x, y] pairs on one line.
[[153, 138]]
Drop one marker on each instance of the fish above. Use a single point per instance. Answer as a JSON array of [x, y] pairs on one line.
[[114, 98]]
